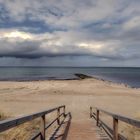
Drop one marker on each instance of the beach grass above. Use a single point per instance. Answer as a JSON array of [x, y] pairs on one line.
[[131, 132], [3, 116], [22, 132]]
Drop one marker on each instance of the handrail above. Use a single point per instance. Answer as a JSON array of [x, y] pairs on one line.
[[128, 120], [11, 123], [116, 118]]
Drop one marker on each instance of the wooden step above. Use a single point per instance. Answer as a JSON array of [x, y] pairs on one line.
[[82, 130]]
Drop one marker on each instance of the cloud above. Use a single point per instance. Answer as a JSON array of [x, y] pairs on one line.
[[21, 44], [95, 30], [56, 14], [132, 25]]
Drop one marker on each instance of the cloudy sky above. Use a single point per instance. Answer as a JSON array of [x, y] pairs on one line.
[[69, 32]]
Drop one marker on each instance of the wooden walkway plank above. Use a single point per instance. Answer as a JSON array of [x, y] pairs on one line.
[[82, 130]]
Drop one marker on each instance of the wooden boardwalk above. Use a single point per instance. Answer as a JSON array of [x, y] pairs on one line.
[[66, 128], [80, 130]]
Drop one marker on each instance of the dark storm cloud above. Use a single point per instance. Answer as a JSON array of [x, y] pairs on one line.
[[93, 31]]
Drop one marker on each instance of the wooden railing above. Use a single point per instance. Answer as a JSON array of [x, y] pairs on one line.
[[112, 133], [11, 123]]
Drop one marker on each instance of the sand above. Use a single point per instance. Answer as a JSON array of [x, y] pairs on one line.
[[21, 98]]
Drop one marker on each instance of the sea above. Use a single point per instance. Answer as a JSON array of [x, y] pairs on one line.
[[126, 75]]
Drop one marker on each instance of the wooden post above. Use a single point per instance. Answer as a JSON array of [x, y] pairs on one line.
[[115, 129], [64, 111], [97, 116], [90, 112], [58, 114], [42, 129]]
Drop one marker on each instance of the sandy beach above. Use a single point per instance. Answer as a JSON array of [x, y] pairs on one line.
[[21, 98]]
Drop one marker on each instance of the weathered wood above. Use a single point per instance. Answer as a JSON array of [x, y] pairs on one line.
[[115, 129], [130, 121], [97, 121], [46, 127], [90, 112], [10, 123], [42, 127], [58, 114], [116, 118], [107, 129], [53, 135], [64, 111], [38, 135]]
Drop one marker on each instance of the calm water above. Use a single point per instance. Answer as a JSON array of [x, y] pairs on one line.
[[130, 76]]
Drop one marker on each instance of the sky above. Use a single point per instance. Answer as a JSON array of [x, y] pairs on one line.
[[70, 33]]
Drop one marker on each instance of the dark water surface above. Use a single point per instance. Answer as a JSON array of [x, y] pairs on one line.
[[129, 76]]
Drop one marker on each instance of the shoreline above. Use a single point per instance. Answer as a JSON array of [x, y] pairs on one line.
[[55, 92], [21, 98], [78, 76]]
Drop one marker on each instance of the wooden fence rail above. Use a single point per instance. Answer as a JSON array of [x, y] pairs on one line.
[[11, 123], [113, 133]]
